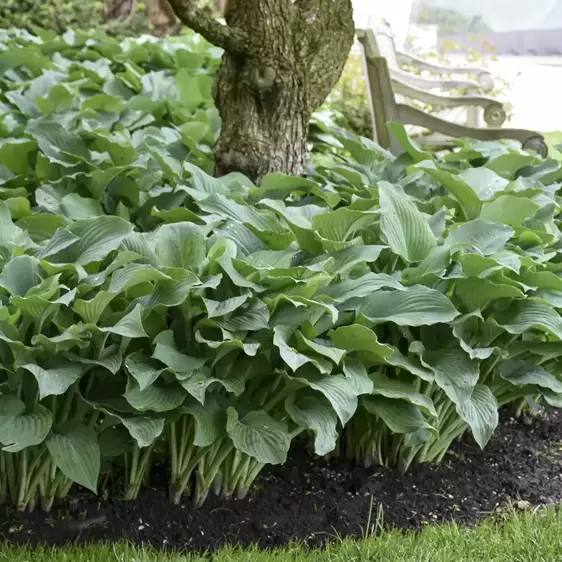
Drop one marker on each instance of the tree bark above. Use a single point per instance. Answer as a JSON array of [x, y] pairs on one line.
[[282, 58]]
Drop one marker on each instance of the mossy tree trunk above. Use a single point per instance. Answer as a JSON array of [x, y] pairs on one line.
[[282, 58]]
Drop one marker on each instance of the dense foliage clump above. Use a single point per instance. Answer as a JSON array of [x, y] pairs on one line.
[[378, 308]]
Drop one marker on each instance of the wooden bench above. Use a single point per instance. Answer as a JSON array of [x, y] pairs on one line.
[[382, 89]]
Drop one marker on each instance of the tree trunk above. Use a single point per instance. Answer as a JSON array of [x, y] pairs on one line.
[[282, 58]]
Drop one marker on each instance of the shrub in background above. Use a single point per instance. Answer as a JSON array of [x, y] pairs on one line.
[[378, 308]]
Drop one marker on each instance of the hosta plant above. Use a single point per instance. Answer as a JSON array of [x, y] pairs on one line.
[[377, 309]]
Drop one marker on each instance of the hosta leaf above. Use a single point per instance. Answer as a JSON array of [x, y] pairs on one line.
[[144, 430], [318, 416], [400, 416], [204, 182], [133, 274], [20, 429], [520, 373], [356, 371], [415, 306], [96, 239], [220, 308], [397, 389], [144, 369], [110, 358], [20, 274], [358, 338], [339, 390], [487, 237], [9, 232], [154, 398], [91, 310], [328, 351], [346, 259], [410, 146], [14, 153], [530, 314], [210, 420], [476, 293], [469, 201], [484, 182], [405, 229], [181, 244], [76, 453], [360, 287], [257, 220], [173, 292], [56, 380], [76, 207], [509, 209], [259, 436], [254, 317], [130, 326], [197, 383], [58, 144], [455, 373], [342, 224], [480, 412], [293, 358], [167, 352]]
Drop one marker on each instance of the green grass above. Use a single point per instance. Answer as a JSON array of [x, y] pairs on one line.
[[526, 537]]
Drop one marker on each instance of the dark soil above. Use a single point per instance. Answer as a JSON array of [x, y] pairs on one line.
[[313, 500]]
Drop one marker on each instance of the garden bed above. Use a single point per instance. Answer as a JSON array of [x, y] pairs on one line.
[[313, 501]]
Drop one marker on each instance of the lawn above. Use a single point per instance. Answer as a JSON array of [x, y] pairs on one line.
[[521, 537]]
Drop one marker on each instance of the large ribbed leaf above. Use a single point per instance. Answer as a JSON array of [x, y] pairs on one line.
[[477, 293], [133, 274], [154, 398], [318, 416], [293, 358], [342, 224], [341, 391], [20, 274], [530, 314], [399, 415], [259, 436], [130, 326], [56, 380], [404, 228], [144, 430], [91, 310], [181, 245], [397, 389], [20, 429], [454, 372], [167, 352], [210, 420], [415, 306], [487, 237], [144, 369], [469, 201], [358, 338], [97, 237], [521, 373], [480, 412], [484, 182], [76, 452], [509, 209], [220, 308], [360, 287]]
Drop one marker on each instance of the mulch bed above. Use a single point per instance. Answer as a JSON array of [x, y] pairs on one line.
[[313, 500]]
